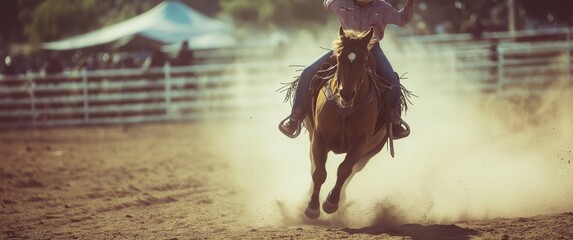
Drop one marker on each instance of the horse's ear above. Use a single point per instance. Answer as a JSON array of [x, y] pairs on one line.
[[341, 32], [368, 37]]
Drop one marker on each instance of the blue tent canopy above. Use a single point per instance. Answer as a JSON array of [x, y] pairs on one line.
[[168, 23]]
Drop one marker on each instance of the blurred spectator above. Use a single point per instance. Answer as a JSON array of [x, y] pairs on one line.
[[9, 68], [106, 61], [473, 26], [443, 27], [84, 63], [2, 62], [421, 28], [158, 58], [127, 61], [185, 56], [54, 64]]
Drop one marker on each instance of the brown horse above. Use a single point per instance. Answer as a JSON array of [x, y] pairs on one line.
[[347, 115]]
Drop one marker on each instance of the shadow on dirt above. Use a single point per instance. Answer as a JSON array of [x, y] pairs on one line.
[[418, 232]]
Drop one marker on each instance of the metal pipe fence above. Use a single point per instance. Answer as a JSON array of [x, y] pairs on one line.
[[126, 96], [500, 65], [213, 90]]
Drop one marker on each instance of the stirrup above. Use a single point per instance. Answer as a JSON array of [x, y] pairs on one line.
[[391, 136], [407, 133], [296, 132]]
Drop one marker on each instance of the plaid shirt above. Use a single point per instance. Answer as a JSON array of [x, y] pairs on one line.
[[378, 14]]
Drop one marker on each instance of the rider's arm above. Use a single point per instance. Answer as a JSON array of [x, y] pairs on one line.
[[328, 4], [401, 17]]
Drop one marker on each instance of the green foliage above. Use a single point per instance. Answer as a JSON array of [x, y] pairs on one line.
[[208, 7], [492, 13], [560, 10], [11, 14], [55, 19], [267, 14], [47, 20], [111, 12]]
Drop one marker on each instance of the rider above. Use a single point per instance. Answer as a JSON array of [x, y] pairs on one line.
[[357, 15]]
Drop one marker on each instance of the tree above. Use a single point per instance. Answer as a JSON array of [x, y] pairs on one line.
[[12, 14], [46, 20], [8, 19], [492, 13], [560, 11], [265, 14], [207, 7], [55, 19]]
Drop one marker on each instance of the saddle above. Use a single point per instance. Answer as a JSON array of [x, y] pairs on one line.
[[382, 87], [381, 90]]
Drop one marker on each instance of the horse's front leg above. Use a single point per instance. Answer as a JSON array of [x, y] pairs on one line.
[[330, 205], [318, 158]]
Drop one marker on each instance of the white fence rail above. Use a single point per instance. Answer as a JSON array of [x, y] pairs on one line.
[[500, 67], [217, 90], [129, 96]]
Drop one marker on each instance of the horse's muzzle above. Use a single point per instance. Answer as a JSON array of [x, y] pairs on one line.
[[346, 98], [344, 103]]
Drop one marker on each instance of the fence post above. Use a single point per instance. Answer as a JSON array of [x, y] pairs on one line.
[[453, 75], [86, 95], [500, 69], [33, 100], [569, 58], [167, 75]]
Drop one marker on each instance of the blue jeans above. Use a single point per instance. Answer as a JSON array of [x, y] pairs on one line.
[[383, 69]]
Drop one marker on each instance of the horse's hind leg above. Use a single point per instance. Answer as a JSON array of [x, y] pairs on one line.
[[367, 156], [357, 168], [318, 155]]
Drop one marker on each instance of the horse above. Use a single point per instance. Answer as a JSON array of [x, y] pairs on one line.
[[348, 114]]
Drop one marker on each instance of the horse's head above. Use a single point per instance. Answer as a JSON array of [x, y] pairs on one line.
[[351, 51]]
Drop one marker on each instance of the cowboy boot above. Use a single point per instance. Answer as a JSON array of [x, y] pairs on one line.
[[400, 129], [291, 125]]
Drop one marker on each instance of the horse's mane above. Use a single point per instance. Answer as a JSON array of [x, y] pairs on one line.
[[338, 44], [328, 69], [379, 82]]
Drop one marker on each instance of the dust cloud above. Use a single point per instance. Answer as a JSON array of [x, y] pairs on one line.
[[471, 156]]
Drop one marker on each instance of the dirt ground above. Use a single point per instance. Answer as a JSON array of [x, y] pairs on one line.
[[171, 181]]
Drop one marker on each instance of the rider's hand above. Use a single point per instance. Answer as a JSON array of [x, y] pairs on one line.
[[410, 3]]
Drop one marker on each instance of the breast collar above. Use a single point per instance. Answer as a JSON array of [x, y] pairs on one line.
[[344, 112]]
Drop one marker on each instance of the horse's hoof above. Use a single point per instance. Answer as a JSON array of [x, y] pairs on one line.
[[312, 213], [329, 207]]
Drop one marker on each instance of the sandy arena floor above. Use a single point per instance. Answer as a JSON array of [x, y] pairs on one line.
[[172, 181]]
